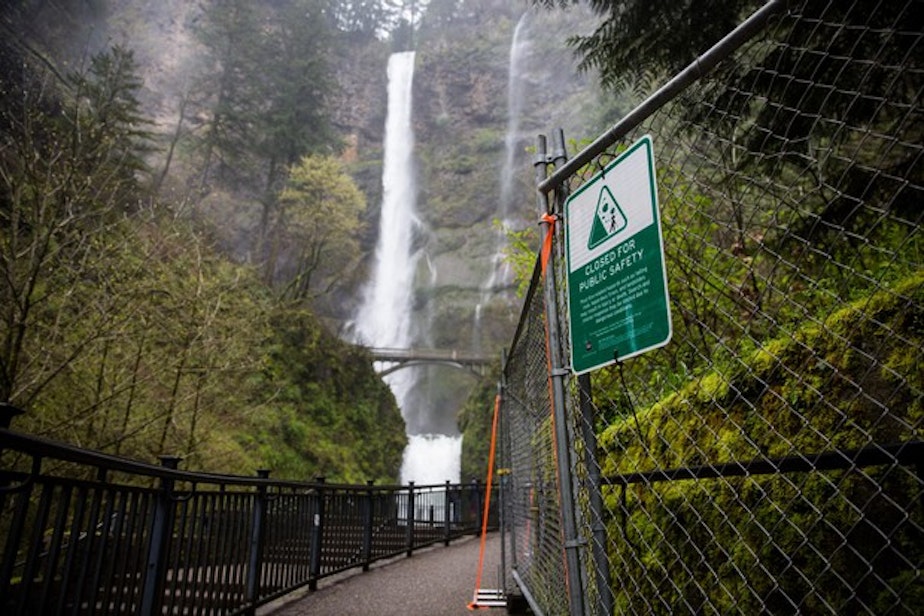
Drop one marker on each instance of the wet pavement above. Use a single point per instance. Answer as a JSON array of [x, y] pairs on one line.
[[436, 581]]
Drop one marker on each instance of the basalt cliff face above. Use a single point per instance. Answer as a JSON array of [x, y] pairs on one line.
[[475, 126], [476, 116]]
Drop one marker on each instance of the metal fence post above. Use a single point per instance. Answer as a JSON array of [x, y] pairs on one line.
[[317, 533], [258, 526], [367, 526], [410, 518], [598, 528], [507, 481], [501, 482], [479, 505], [152, 594], [447, 505], [8, 412], [557, 374]]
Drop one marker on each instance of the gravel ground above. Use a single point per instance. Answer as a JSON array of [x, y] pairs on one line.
[[437, 581]]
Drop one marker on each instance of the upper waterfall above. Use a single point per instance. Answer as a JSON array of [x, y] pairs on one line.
[[385, 318], [500, 275]]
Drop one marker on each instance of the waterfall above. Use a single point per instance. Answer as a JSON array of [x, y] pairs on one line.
[[499, 276], [518, 48], [384, 318]]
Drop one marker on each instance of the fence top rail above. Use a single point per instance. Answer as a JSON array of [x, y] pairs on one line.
[[693, 71], [39, 448], [527, 299]]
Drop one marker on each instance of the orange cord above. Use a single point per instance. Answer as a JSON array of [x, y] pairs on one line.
[[487, 504]]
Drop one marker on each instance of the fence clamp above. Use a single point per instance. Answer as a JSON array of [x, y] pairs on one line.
[[573, 544], [559, 372]]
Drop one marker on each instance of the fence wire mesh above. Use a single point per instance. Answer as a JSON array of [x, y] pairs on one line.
[[768, 459], [532, 492]]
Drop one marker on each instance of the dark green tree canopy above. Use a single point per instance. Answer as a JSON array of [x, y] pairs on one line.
[[108, 113], [637, 38]]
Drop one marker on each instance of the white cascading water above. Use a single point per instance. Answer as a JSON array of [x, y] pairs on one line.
[[384, 319], [518, 49], [500, 275]]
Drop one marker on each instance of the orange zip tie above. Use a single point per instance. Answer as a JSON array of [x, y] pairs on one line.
[[473, 605], [547, 240]]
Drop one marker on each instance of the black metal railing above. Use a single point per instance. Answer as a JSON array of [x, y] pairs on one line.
[[83, 532]]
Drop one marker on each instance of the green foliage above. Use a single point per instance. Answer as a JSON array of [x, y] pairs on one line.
[[68, 174], [337, 418], [475, 419], [122, 329], [316, 229], [521, 253]]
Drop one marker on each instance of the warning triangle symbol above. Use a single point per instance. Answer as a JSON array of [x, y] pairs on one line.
[[608, 219]]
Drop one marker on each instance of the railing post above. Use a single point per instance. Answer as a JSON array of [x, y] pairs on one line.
[[410, 518], [367, 526], [152, 594], [317, 534], [447, 514], [8, 413], [479, 505], [8, 559], [257, 528]]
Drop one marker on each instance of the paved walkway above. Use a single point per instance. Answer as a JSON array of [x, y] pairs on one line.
[[437, 581]]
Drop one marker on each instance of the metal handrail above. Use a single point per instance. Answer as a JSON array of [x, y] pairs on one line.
[[178, 547]]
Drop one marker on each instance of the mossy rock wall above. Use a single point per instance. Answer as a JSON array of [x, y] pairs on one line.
[[787, 542]]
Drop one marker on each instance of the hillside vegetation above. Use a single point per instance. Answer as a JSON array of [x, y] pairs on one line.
[[128, 322]]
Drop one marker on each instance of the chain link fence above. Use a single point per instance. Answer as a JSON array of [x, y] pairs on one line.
[[769, 458]]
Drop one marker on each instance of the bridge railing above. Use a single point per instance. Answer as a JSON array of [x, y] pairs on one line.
[[412, 354], [389, 360], [82, 532]]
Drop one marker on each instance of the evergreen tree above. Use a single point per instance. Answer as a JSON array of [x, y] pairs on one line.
[[108, 120], [827, 66], [362, 17], [269, 98], [229, 32], [637, 39]]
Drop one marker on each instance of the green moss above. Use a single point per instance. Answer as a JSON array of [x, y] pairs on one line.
[[713, 386]]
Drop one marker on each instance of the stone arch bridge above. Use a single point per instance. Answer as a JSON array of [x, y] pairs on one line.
[[390, 359]]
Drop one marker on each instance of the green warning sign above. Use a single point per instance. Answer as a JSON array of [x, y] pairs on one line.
[[617, 285]]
